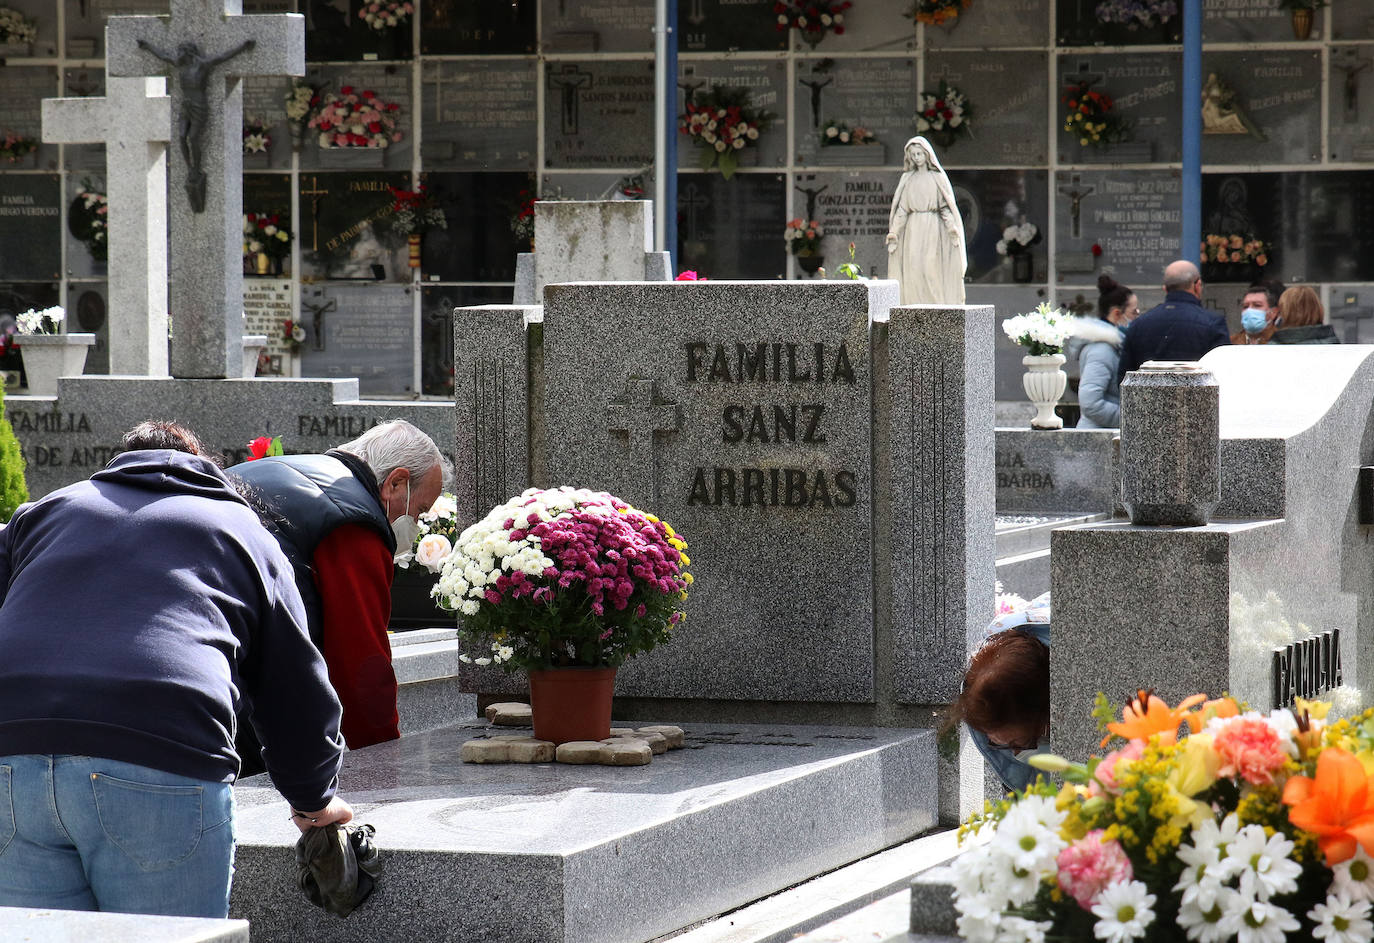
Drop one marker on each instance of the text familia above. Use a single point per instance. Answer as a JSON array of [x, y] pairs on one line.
[[804, 370]]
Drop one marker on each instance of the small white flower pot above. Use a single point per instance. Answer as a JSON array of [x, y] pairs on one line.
[[49, 356], [1044, 382]]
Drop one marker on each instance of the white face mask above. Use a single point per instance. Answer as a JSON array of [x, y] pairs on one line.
[[405, 528]]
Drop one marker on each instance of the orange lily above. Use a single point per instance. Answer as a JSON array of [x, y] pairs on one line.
[[1219, 707], [1146, 715], [1337, 806]]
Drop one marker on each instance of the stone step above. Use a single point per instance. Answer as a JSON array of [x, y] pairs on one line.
[[64, 926], [555, 854]]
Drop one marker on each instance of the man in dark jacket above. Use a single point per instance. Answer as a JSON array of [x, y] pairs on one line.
[[140, 612], [1178, 329], [341, 517]]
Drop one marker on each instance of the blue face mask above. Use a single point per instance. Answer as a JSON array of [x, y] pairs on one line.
[[1253, 320]]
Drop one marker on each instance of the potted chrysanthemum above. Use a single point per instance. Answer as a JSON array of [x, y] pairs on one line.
[[566, 584]]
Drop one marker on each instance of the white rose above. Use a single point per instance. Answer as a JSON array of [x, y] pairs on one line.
[[955, 121], [720, 145], [844, 137], [752, 134], [831, 131], [922, 124], [432, 550]]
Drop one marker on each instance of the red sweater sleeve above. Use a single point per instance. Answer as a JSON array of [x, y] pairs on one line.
[[353, 571]]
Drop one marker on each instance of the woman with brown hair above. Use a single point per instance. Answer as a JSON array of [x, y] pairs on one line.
[[1300, 319], [1006, 694]]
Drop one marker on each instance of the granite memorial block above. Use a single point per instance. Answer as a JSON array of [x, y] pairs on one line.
[[23, 88], [363, 331], [206, 48], [1205, 608], [604, 241], [1351, 105], [742, 414], [732, 228], [766, 84], [133, 120], [1009, 92], [599, 114], [478, 244], [478, 114], [491, 400], [67, 439], [622, 26], [390, 86], [1170, 455], [872, 93], [336, 33], [43, 925], [86, 19], [1278, 104], [994, 25], [1064, 471], [1132, 216], [30, 226], [940, 453], [991, 200], [1246, 21], [477, 27], [344, 232], [727, 25], [1145, 89]]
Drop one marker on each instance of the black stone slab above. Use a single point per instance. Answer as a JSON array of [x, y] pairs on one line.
[[478, 114], [478, 244], [609, 26], [270, 194], [30, 226], [80, 263], [1078, 23], [436, 329], [363, 331], [334, 32], [477, 27], [342, 228], [1279, 97], [723, 25], [732, 228], [992, 200], [22, 89]]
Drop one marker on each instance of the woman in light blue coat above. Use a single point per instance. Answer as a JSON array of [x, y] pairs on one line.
[[1097, 342]]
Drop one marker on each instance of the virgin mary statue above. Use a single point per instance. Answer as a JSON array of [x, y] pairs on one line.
[[925, 234]]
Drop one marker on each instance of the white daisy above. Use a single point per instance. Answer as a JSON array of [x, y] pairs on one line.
[[1341, 920], [1021, 930], [1123, 911], [1025, 840], [1258, 921], [1201, 878], [1267, 868], [1354, 877], [1213, 924]]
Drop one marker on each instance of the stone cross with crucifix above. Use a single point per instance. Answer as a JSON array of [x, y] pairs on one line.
[[642, 416], [207, 46], [133, 121]]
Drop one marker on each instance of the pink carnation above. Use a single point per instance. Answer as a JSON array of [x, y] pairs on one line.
[[1089, 865], [1250, 748], [1104, 777]]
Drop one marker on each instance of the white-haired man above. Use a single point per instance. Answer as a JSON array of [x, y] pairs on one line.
[[340, 517]]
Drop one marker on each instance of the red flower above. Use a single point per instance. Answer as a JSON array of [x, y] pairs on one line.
[[1097, 250], [689, 276], [347, 89], [259, 446], [374, 127], [326, 125], [839, 30], [392, 106], [369, 95]]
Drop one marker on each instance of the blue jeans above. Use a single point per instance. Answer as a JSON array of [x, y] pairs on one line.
[[84, 833]]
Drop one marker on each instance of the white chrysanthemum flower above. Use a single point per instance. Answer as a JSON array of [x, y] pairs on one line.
[[1342, 920], [979, 927], [1354, 877], [1027, 842], [504, 653], [1210, 924], [465, 659], [1021, 930], [470, 608], [1124, 910], [1265, 869], [1258, 921], [1209, 838]]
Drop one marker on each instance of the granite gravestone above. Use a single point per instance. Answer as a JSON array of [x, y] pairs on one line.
[[363, 331], [133, 120], [875, 94], [737, 223], [1145, 89], [599, 114], [207, 47], [478, 114], [30, 226], [607, 240], [1009, 93]]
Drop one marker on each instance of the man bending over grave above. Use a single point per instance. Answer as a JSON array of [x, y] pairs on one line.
[[137, 610], [341, 517]]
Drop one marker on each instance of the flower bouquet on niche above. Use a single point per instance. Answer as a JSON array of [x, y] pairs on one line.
[[943, 115], [1254, 827], [1090, 118], [564, 577], [1133, 14], [265, 241], [937, 12], [257, 136], [88, 220], [14, 147], [812, 18], [353, 118], [722, 123], [838, 134], [386, 14], [1043, 331], [16, 28]]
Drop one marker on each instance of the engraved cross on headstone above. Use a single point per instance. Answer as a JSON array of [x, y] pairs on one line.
[[1076, 192], [643, 417], [315, 192], [211, 45], [570, 80], [816, 85], [133, 121]]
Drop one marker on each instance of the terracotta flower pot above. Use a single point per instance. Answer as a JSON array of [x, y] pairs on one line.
[[572, 703]]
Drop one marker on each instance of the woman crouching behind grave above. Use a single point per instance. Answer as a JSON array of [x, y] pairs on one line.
[[1097, 343], [139, 612], [1006, 694]]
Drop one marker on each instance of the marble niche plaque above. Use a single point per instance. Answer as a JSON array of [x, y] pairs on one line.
[[1279, 98], [851, 206], [725, 25], [392, 86], [609, 26], [732, 228], [335, 33], [878, 28], [765, 82], [343, 231], [30, 226], [1247, 21], [85, 21], [1351, 116], [1009, 93], [477, 27], [1145, 89], [23, 89], [268, 303], [1133, 215], [1352, 21], [993, 25], [264, 104], [877, 94], [990, 201], [598, 114], [478, 245], [363, 331], [478, 114]]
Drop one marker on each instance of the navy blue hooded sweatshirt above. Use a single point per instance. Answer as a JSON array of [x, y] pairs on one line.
[[140, 609]]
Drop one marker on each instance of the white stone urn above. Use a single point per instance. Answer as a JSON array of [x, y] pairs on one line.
[[49, 356], [1044, 382]]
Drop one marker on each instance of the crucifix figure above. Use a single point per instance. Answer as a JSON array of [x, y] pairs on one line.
[[205, 178], [193, 77], [815, 85], [1352, 65], [689, 91], [133, 121], [642, 417], [314, 193], [1076, 192], [570, 80], [811, 195], [317, 313]]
